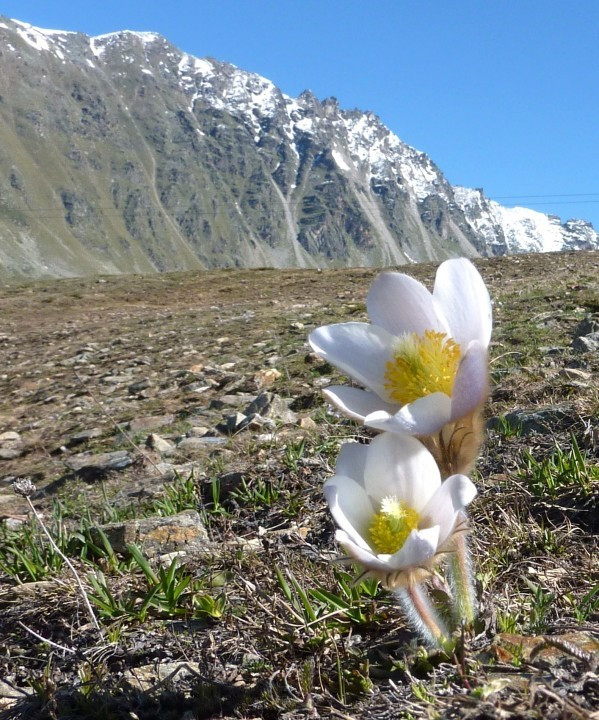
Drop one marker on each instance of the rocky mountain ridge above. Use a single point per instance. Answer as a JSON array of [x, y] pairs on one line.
[[121, 153]]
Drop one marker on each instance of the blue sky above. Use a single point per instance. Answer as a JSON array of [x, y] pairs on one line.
[[501, 94]]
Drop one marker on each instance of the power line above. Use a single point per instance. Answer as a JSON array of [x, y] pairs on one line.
[[517, 197], [563, 202]]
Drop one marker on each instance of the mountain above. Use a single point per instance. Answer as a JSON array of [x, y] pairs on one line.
[[121, 153]]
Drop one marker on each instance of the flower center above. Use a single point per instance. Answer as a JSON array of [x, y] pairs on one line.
[[390, 527], [422, 365]]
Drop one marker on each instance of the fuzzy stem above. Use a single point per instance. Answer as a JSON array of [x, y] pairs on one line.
[[461, 581], [422, 615]]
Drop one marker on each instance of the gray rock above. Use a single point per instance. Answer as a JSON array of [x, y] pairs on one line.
[[195, 387], [84, 436], [231, 400], [115, 379], [158, 535], [198, 431], [524, 422], [586, 326], [233, 423], [200, 443], [91, 467], [9, 436], [158, 443], [272, 406], [11, 445], [150, 422], [144, 678], [138, 386], [586, 343]]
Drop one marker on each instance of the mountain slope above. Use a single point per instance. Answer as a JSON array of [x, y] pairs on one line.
[[120, 153]]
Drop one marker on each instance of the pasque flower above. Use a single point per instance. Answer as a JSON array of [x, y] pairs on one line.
[[395, 516], [422, 360]]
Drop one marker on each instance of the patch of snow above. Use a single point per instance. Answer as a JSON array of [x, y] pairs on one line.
[[36, 39], [519, 229], [305, 125], [340, 160], [145, 37], [97, 50], [528, 230]]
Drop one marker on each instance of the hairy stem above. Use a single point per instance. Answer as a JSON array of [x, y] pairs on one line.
[[423, 616], [461, 581]]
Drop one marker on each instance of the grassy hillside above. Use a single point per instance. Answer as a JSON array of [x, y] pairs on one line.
[[248, 616]]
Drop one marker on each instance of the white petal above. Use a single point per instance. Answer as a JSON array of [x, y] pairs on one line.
[[442, 509], [356, 403], [464, 299], [417, 550], [424, 416], [360, 350], [351, 461], [350, 507], [471, 384], [362, 555], [400, 465], [402, 305]]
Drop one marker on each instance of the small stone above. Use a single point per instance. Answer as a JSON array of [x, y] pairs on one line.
[[575, 374], [227, 366], [11, 445], [144, 678], [150, 422], [198, 431], [231, 400], [312, 358], [272, 406], [9, 436], [306, 423], [10, 453], [587, 326], [159, 535], [586, 343], [257, 422], [233, 423], [321, 381], [158, 443], [264, 378], [200, 443], [524, 422], [84, 436], [195, 387], [91, 467], [115, 379], [138, 386]]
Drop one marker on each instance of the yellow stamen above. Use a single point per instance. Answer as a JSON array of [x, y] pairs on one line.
[[390, 527], [422, 365]]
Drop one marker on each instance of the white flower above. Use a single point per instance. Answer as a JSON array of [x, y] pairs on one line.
[[394, 514], [423, 359]]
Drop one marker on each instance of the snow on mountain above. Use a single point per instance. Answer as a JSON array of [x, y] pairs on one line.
[[519, 229], [242, 174]]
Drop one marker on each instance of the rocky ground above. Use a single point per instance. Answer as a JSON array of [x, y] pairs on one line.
[[182, 414]]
